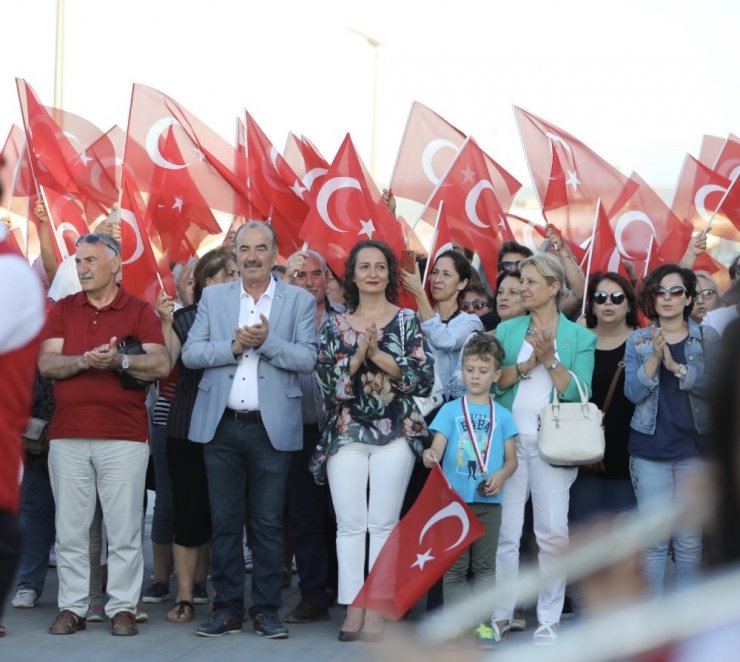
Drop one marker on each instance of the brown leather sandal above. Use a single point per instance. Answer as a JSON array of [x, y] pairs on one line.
[[182, 612]]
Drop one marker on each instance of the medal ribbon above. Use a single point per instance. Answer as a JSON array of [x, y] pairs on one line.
[[482, 460]]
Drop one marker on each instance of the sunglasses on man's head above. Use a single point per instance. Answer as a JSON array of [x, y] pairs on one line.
[[98, 239], [476, 304], [673, 292], [601, 297]]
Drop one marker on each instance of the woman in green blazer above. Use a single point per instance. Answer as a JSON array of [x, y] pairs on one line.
[[540, 352]]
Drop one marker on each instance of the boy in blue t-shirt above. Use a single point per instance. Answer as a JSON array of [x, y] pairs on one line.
[[479, 436]]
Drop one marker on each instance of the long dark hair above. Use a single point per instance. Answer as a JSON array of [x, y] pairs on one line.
[[596, 280], [208, 266], [351, 293], [647, 295]]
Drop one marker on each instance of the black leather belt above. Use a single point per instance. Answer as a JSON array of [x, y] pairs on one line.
[[243, 416]]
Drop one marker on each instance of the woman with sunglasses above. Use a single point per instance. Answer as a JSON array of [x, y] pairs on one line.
[[445, 325], [668, 378], [707, 296], [611, 313]]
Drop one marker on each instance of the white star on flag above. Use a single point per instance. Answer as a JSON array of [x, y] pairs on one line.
[[421, 559], [177, 204], [468, 174], [572, 179], [298, 189], [367, 228], [85, 158]]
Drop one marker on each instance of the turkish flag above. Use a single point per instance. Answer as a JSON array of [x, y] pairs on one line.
[[67, 220], [307, 162], [645, 215], [604, 254], [699, 192], [526, 232], [275, 187], [474, 216], [710, 149], [16, 175], [209, 160], [727, 162], [142, 269], [421, 548], [581, 177], [348, 209]]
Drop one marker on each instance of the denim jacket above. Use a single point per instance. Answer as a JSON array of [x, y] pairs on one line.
[[701, 346]]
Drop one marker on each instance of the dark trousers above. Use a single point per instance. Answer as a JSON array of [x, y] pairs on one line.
[[241, 455], [309, 507], [37, 520], [10, 550]]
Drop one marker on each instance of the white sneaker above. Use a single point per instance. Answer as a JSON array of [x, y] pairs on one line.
[[25, 598]]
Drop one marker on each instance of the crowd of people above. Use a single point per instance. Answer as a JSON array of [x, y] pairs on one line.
[[281, 407]]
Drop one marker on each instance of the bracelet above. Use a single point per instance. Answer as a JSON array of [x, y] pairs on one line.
[[522, 375]]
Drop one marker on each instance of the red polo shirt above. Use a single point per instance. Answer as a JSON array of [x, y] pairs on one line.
[[92, 404]]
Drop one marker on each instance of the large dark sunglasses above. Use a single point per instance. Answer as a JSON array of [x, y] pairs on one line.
[[477, 304], [673, 292], [601, 297], [110, 242], [509, 265]]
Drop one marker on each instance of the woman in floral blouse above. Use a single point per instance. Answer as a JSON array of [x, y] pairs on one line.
[[372, 360]]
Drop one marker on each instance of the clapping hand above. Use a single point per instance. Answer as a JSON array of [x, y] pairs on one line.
[[543, 343]]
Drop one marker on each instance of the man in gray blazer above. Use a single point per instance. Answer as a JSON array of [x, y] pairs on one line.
[[252, 337]]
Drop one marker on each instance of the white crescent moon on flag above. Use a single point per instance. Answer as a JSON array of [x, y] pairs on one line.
[[97, 170], [152, 144], [311, 176], [554, 138], [325, 192], [623, 223], [472, 200], [128, 217], [453, 509], [729, 168], [64, 226], [700, 199], [428, 155]]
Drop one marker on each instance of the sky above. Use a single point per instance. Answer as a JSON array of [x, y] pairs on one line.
[[638, 81]]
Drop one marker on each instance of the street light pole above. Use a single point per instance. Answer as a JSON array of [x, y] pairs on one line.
[[59, 55], [375, 45]]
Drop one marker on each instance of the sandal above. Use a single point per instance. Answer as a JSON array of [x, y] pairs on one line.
[[182, 612], [546, 634], [501, 630]]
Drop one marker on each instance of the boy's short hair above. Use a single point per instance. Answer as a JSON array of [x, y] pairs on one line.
[[485, 346]]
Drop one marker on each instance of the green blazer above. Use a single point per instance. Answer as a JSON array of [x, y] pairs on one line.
[[576, 347]]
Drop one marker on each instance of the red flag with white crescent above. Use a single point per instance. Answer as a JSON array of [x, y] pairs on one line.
[[421, 548]]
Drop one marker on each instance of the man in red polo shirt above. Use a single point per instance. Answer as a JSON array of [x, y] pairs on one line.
[[99, 431]]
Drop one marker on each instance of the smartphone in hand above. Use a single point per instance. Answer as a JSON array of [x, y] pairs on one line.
[[408, 260]]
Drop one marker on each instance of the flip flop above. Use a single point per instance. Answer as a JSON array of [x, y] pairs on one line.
[[182, 612]]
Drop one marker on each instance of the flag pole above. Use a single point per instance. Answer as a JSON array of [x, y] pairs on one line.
[[647, 257], [430, 259], [59, 55], [590, 254]]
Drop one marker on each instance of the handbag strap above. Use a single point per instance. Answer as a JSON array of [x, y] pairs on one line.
[[613, 386], [581, 390]]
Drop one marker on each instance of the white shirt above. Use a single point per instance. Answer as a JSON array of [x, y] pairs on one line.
[[719, 318], [244, 394], [531, 395]]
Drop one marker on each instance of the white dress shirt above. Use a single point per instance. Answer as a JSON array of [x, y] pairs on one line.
[[244, 394]]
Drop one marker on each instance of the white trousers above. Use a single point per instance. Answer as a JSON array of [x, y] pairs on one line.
[[550, 490], [115, 471], [388, 470]]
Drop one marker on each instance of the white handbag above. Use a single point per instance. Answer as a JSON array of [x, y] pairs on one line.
[[427, 403], [571, 433]]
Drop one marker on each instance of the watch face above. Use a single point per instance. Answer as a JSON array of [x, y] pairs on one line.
[[125, 363]]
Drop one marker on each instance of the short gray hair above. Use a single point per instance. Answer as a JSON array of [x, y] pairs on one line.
[[263, 225], [549, 267]]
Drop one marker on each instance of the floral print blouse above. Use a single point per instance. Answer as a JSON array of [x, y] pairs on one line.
[[371, 407]]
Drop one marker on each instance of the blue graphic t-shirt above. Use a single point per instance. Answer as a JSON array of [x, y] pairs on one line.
[[459, 461]]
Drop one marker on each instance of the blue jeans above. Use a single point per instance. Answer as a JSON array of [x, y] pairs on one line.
[[659, 484], [163, 518], [37, 521], [592, 495], [240, 458]]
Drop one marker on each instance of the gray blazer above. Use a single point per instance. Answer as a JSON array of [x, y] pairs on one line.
[[290, 348]]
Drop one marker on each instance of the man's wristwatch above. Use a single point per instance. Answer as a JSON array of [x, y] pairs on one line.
[[125, 363], [553, 365]]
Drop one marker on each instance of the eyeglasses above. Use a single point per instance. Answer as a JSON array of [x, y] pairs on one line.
[[601, 297], [508, 265], [477, 304], [706, 294], [673, 292], [109, 242]]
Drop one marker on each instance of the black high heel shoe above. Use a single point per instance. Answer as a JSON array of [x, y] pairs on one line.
[[350, 635]]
